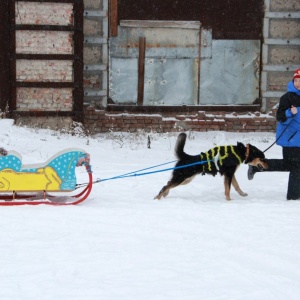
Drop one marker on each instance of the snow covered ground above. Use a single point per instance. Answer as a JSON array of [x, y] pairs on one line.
[[120, 244]]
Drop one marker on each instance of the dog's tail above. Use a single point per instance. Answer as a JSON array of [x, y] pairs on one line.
[[180, 145]]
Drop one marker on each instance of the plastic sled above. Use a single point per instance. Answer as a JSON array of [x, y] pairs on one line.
[[32, 183]]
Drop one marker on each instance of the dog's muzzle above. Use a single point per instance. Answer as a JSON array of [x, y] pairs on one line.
[[263, 165]]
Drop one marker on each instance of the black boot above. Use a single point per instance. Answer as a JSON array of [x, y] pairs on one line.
[[274, 165]]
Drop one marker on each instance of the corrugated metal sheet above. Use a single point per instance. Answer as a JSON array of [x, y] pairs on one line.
[[231, 75], [168, 81]]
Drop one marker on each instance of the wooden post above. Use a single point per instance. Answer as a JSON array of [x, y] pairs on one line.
[[78, 63], [141, 70], [113, 18], [13, 68], [4, 56]]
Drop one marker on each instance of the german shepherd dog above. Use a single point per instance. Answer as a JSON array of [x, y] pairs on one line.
[[220, 159]]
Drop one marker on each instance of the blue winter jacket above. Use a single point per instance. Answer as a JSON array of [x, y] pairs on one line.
[[288, 128]]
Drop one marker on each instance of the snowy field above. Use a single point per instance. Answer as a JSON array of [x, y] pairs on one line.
[[120, 244]]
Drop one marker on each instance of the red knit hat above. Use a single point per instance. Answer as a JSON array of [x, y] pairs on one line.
[[297, 74]]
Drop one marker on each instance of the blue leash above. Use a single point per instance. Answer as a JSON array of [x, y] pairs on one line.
[[134, 172], [130, 174], [137, 173]]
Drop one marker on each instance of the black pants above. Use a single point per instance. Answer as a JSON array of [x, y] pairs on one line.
[[289, 163], [291, 156]]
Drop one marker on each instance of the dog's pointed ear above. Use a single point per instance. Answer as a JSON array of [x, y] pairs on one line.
[[241, 146]]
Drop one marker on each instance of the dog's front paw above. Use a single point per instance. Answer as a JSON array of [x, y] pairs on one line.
[[228, 198]]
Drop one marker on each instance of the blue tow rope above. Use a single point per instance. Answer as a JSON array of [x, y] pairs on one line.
[[137, 173]]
